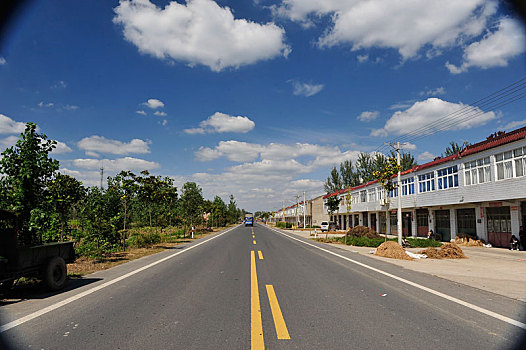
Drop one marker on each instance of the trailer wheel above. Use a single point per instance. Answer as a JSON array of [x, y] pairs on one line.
[[55, 273]]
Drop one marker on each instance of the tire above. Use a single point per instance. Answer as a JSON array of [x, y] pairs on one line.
[[55, 274]]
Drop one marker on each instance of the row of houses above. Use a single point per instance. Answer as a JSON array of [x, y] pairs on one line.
[[479, 191]]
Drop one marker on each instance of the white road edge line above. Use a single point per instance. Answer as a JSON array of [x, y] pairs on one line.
[[416, 285], [55, 306]]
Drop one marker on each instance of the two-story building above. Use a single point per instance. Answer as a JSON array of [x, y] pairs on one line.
[[480, 191]]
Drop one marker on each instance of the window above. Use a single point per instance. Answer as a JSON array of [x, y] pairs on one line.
[[426, 182], [408, 186], [363, 196], [394, 193], [372, 194], [477, 172], [447, 177], [511, 164], [354, 197]]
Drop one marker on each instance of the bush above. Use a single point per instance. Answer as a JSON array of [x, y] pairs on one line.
[[143, 240], [281, 224], [423, 243]]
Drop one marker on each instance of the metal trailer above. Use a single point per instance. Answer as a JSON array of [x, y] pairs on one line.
[[46, 262]]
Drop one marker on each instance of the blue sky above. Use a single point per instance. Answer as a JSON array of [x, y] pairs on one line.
[[258, 99]]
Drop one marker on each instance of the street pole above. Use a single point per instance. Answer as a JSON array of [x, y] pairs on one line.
[[304, 211], [297, 214], [399, 211]]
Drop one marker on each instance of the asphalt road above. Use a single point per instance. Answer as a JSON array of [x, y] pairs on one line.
[[259, 288]]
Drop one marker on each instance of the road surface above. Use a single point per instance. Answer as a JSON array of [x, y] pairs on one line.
[[261, 288]]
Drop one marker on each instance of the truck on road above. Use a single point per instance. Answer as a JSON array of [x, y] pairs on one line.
[[249, 220], [46, 262]]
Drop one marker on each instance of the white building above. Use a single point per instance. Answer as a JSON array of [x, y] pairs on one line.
[[480, 191]]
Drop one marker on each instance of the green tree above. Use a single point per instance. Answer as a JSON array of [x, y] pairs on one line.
[[27, 169], [453, 148], [64, 192], [349, 176], [365, 166], [385, 178], [232, 211], [334, 181], [219, 211], [190, 204], [407, 160]]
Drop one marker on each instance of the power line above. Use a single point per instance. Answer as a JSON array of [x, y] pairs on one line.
[[502, 97]]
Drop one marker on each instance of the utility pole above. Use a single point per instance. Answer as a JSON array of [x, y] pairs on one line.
[[399, 211], [297, 205], [101, 175], [304, 211]]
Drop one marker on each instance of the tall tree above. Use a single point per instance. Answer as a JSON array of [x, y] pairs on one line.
[[64, 192], [334, 181], [232, 210], [349, 176], [27, 169], [453, 148], [365, 166], [407, 160], [190, 204]]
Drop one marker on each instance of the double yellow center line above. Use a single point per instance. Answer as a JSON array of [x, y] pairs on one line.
[[257, 341]]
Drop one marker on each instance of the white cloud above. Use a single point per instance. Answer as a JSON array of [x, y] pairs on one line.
[[368, 116], [61, 84], [422, 113], [61, 147], [154, 103], [406, 26], [221, 122], [2, 61], [42, 104], [100, 144], [495, 49], [141, 112], [433, 92], [9, 126], [198, 32], [408, 146], [425, 156], [160, 113], [71, 107], [362, 58], [8, 141], [514, 124], [115, 165], [88, 178], [305, 89]]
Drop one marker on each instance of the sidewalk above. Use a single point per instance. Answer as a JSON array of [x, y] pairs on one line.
[[497, 270]]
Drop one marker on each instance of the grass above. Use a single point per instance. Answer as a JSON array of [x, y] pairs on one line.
[[375, 242]]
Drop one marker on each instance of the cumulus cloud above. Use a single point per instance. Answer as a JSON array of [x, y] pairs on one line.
[[115, 165], [61, 84], [198, 32], [9, 126], [368, 116], [514, 124], [160, 113], [425, 156], [61, 147], [99, 144], [495, 49], [141, 112], [43, 104], [2, 61], [406, 26], [433, 92], [362, 58], [422, 113], [221, 122], [305, 89], [154, 103]]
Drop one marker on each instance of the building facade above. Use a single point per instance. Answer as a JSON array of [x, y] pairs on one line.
[[479, 191]]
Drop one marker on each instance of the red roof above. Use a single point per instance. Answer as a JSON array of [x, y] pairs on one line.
[[494, 140]]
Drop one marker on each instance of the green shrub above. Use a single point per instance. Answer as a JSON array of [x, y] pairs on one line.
[[143, 240], [423, 243]]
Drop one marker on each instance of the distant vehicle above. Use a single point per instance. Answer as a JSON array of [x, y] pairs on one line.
[[249, 220], [328, 226], [46, 262]]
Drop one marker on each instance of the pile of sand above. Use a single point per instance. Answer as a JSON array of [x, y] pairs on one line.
[[468, 241], [362, 231], [393, 250], [447, 251]]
